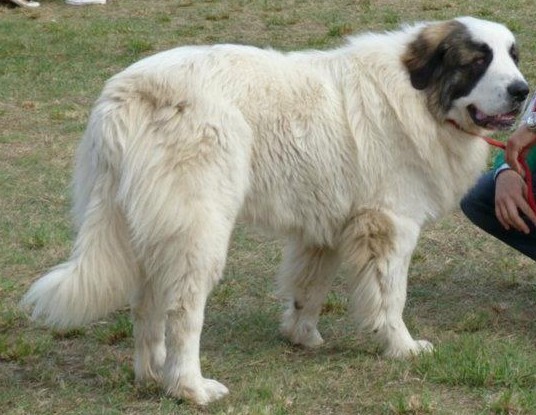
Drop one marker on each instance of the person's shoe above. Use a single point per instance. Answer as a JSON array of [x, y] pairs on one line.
[[26, 3], [84, 2]]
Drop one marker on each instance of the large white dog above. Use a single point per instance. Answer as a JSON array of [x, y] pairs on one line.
[[344, 153]]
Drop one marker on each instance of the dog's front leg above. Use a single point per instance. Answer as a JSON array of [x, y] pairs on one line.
[[379, 245]]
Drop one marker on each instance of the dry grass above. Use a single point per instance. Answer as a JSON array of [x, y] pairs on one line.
[[469, 294]]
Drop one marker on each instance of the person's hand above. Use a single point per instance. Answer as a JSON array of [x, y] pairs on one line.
[[520, 141], [510, 200]]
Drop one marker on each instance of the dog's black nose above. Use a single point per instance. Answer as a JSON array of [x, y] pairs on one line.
[[518, 90]]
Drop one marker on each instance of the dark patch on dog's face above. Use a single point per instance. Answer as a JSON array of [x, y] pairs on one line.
[[514, 53], [446, 62]]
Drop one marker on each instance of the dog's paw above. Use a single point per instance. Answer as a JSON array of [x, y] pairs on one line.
[[201, 392], [309, 339], [302, 335], [150, 369], [414, 348]]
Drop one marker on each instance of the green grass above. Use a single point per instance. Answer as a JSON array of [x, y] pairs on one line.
[[469, 294]]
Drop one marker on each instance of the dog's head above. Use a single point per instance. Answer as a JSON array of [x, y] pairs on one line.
[[468, 69]]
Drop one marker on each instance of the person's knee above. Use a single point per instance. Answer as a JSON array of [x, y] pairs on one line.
[[467, 205]]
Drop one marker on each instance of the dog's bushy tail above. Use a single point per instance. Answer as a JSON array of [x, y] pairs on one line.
[[100, 274]]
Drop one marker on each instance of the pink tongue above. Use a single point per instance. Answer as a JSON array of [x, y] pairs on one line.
[[480, 116]]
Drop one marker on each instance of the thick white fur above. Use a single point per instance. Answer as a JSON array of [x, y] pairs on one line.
[[335, 151]]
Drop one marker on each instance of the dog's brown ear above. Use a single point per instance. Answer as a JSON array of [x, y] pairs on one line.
[[425, 54]]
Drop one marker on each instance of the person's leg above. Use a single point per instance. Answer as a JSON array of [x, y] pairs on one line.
[[84, 2], [26, 3], [479, 206]]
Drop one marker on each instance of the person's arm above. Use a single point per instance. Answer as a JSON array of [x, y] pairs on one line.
[[522, 139], [518, 143], [510, 188]]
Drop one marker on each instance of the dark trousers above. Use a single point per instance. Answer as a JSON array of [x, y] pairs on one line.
[[479, 206]]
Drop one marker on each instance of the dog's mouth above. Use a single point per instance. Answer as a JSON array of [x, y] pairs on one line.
[[493, 122]]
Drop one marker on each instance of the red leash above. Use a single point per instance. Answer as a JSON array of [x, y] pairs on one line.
[[522, 161]]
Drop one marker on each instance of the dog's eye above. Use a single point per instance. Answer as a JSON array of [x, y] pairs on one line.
[[514, 54], [479, 63]]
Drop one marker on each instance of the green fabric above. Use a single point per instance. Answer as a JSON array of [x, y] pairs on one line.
[[531, 159]]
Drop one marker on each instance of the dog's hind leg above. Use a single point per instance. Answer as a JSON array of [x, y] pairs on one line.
[[183, 185], [304, 280], [197, 265], [379, 247], [149, 317], [182, 265]]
